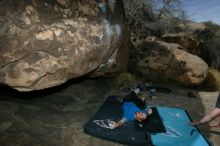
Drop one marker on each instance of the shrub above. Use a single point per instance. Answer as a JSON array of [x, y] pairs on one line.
[[212, 26]]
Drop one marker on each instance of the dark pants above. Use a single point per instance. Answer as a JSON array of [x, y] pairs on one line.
[[133, 97]]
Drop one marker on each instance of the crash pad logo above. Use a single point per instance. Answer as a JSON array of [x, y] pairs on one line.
[[106, 123], [171, 132]]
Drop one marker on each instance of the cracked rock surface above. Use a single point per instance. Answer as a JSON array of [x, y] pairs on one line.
[[46, 43]]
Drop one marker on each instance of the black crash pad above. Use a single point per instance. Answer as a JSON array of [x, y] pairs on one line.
[[132, 133]]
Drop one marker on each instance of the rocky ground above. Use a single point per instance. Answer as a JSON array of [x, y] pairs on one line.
[[55, 117]]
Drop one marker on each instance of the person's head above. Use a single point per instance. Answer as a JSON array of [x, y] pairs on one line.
[[140, 116]]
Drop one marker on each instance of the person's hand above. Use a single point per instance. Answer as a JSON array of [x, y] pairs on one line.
[[112, 125]]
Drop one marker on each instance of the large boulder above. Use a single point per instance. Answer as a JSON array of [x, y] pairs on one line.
[[187, 41], [156, 60], [115, 64], [46, 43], [118, 61]]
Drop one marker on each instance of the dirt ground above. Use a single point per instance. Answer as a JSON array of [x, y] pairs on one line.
[[56, 117]]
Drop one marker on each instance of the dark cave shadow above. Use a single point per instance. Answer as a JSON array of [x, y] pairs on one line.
[[7, 92]]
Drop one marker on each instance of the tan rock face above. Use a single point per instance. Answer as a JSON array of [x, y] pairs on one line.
[[159, 60], [187, 41], [45, 44]]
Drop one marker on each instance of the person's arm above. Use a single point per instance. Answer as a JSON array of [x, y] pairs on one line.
[[119, 123]]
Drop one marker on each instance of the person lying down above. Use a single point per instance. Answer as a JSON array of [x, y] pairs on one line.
[[131, 109]]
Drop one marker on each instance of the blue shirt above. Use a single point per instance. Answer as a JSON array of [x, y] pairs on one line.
[[129, 109]]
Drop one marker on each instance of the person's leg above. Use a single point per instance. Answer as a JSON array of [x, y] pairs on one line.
[[218, 123], [129, 97], [135, 97], [213, 114]]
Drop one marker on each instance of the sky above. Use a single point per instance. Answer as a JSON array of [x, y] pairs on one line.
[[203, 10]]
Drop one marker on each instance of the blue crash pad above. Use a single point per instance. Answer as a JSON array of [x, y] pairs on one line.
[[178, 132]]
